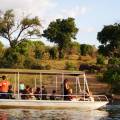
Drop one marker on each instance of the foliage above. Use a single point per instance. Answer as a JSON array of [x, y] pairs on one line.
[[10, 58], [70, 66], [39, 49], [74, 48], [109, 37], [1, 49], [100, 59], [15, 31], [86, 49], [61, 32], [90, 68], [112, 75], [29, 62], [53, 53]]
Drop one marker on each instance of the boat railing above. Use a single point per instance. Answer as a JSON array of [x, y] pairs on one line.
[[100, 98], [57, 97]]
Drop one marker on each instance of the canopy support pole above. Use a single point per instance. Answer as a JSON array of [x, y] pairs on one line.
[[41, 84], [56, 83], [84, 90], [63, 85], [87, 85], [35, 82], [76, 86], [15, 84], [78, 80], [18, 86]]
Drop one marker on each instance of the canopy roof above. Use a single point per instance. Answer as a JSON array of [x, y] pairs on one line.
[[43, 72]]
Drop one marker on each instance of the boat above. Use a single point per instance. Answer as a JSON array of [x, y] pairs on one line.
[[79, 101]]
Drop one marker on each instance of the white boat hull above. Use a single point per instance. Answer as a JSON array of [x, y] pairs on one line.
[[42, 104]]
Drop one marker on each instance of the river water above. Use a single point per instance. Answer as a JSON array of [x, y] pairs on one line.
[[109, 113]]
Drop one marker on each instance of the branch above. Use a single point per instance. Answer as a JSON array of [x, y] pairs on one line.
[[22, 29], [15, 29], [4, 36]]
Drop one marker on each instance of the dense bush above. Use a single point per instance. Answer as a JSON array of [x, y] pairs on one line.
[[90, 68], [53, 53], [100, 60], [86, 49], [70, 66], [112, 75]]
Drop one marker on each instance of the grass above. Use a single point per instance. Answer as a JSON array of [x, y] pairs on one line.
[[60, 64]]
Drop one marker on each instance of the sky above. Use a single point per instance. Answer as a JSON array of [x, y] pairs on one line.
[[90, 15]]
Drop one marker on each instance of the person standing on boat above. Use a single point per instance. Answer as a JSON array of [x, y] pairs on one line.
[[4, 85], [66, 88]]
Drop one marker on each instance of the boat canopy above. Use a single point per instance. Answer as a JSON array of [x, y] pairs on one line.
[[43, 72]]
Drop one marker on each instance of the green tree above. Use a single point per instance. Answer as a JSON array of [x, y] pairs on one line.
[[39, 49], [10, 58], [61, 32], [86, 49], [15, 31], [23, 47], [1, 49], [112, 75], [109, 37], [53, 53]]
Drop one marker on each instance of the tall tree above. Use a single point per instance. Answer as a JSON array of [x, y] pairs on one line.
[[16, 31], [61, 32], [109, 37]]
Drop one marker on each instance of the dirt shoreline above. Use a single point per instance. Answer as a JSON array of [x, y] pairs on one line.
[[114, 99]]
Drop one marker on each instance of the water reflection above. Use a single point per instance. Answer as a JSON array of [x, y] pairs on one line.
[[22, 114], [114, 112]]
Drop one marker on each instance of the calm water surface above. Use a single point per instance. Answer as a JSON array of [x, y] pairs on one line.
[[110, 113]]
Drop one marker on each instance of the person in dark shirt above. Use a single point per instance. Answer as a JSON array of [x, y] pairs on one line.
[[25, 94], [37, 93], [66, 89], [10, 92], [53, 96], [44, 93]]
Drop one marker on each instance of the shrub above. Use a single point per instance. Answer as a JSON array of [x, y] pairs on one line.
[[101, 60], [48, 67], [112, 75], [90, 68], [70, 66]]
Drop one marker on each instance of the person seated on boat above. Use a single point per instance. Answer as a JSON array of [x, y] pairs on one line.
[[66, 88], [53, 95], [37, 93], [10, 92], [91, 96], [87, 95], [31, 94], [70, 97], [4, 84], [25, 94], [21, 87], [44, 93]]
